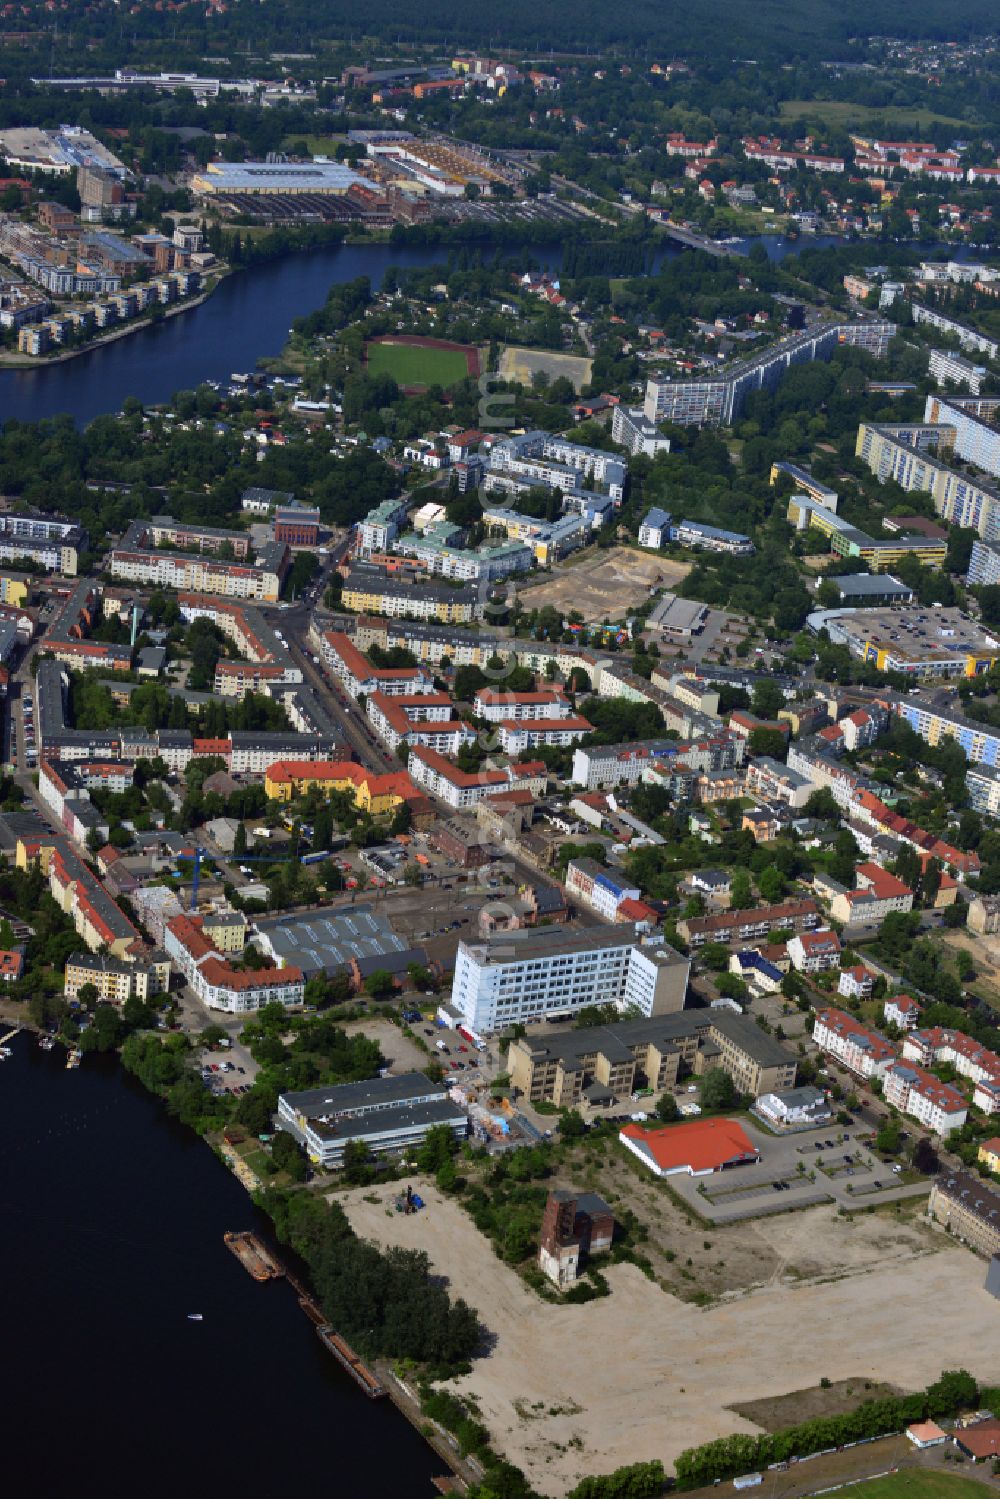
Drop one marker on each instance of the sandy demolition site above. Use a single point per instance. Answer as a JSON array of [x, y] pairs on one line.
[[604, 585], [567, 1390]]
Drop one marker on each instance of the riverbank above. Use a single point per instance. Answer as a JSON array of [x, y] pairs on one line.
[[18, 361], [106, 1194]]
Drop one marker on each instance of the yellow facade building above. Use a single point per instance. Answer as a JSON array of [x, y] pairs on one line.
[[288, 779], [989, 1155]]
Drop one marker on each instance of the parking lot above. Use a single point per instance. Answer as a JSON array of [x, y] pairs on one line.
[[222, 1075], [797, 1170]]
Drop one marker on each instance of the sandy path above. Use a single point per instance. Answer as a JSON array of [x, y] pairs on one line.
[[640, 1374]]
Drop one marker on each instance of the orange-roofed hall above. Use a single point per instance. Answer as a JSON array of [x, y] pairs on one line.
[[699, 1147]]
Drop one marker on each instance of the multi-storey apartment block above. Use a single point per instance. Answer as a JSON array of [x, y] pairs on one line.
[[137, 560], [862, 1051], [559, 1066], [969, 338], [903, 453], [746, 926], [720, 400], [968, 428], [936, 1105]]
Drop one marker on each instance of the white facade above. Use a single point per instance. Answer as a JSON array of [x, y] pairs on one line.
[[987, 1096], [814, 952], [799, 1107], [196, 574], [496, 706], [901, 1011], [946, 365], [933, 1104], [221, 987], [863, 1052], [632, 428], [534, 975], [516, 736], [455, 787], [854, 985]]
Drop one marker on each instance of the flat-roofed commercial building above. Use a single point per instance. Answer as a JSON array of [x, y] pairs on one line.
[[868, 588], [387, 1115], [317, 178], [879, 553], [546, 971], [805, 484], [920, 643], [357, 941]]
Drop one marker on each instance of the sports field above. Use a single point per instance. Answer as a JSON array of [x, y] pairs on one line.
[[913, 1484], [416, 364]]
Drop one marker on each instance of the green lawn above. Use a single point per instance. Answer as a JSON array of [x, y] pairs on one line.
[[912, 1484], [409, 365], [848, 115], [319, 145]]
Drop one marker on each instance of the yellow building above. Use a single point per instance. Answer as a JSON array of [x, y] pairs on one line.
[[288, 779], [14, 589], [848, 541], [227, 931], [989, 1155], [413, 601]]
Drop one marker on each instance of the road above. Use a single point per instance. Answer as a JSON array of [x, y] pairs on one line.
[[294, 620]]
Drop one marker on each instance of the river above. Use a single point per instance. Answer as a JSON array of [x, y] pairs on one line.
[[246, 318], [113, 1217]]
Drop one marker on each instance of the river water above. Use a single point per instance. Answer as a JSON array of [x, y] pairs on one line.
[[112, 1224], [246, 318]]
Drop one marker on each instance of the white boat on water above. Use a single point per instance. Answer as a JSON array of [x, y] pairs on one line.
[[195, 1317]]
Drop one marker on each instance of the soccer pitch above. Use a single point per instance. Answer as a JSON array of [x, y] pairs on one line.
[[411, 364]]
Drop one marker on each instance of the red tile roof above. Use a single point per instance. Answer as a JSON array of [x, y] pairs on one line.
[[702, 1145], [980, 1441]]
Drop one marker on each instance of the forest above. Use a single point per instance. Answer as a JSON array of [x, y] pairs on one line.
[[773, 28]]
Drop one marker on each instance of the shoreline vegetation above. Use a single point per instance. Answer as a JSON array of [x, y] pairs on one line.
[[19, 361]]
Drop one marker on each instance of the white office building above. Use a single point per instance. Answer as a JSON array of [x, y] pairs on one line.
[[544, 972]]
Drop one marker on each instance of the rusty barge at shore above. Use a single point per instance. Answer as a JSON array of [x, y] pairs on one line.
[[259, 1262], [255, 1258]]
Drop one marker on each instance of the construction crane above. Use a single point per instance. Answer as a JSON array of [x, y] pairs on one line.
[[201, 855]]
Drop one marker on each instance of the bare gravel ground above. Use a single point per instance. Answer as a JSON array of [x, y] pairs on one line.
[[568, 1390]]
